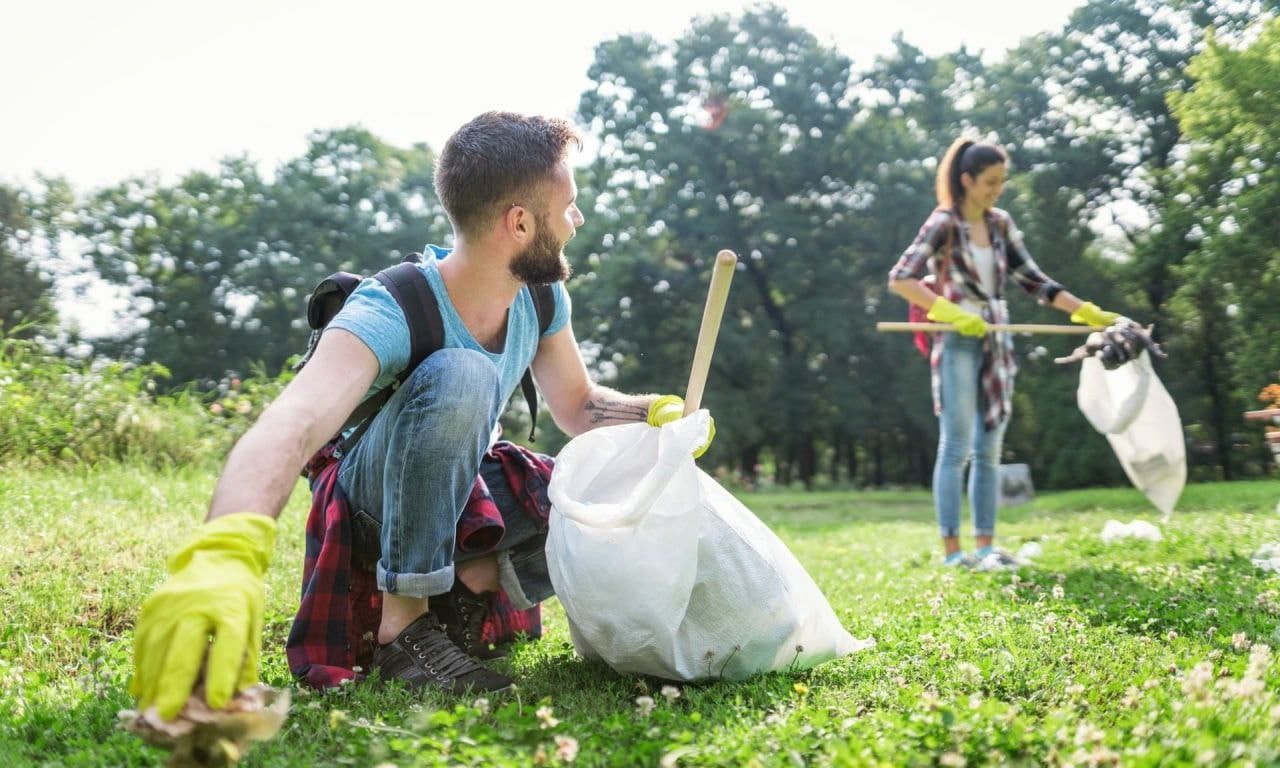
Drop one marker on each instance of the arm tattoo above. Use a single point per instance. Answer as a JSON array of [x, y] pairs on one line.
[[614, 410]]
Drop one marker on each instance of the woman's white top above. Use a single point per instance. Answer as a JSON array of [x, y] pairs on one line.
[[984, 262]]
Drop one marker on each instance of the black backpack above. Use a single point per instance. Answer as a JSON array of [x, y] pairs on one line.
[[408, 286]]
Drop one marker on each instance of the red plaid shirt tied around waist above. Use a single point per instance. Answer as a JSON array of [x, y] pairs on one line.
[[335, 630], [941, 248]]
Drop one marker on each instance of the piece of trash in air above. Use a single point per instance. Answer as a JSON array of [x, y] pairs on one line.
[[1115, 530], [199, 736]]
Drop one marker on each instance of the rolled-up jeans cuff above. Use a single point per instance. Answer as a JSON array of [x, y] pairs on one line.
[[415, 584], [988, 532], [949, 533]]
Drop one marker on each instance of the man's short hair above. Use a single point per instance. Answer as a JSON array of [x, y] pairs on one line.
[[497, 159]]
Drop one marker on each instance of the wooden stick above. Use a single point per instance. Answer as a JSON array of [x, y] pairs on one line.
[[1072, 330], [717, 295]]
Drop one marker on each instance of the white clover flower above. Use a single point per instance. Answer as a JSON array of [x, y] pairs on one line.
[[566, 748], [546, 718], [644, 705], [1199, 681], [481, 705], [1240, 641], [670, 693], [953, 760], [1058, 592], [931, 699], [1087, 734]]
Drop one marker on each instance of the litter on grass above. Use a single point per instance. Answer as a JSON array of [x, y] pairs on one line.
[[199, 736], [1268, 557], [1115, 530], [1030, 551]]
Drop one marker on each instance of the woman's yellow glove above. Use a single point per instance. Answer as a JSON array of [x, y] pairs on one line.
[[215, 590], [1089, 314], [967, 323], [667, 409]]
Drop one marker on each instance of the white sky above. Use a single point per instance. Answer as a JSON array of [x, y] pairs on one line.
[[100, 91]]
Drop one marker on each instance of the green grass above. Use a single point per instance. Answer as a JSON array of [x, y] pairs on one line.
[[1098, 653]]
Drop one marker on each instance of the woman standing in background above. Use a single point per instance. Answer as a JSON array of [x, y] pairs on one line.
[[956, 269]]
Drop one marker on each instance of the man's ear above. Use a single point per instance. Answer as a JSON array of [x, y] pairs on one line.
[[517, 223]]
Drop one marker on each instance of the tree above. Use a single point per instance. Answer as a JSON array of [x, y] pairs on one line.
[[1225, 213], [221, 264], [26, 303]]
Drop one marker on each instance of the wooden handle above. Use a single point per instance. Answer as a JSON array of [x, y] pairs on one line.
[[1065, 330], [717, 295]]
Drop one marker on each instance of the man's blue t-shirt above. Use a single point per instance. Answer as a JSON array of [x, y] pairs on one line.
[[374, 317]]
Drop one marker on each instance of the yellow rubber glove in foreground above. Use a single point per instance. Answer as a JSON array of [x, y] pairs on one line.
[[667, 409], [215, 590], [967, 323], [1090, 314]]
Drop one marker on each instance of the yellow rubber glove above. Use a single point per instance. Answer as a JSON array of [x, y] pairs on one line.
[[667, 409], [215, 590], [1090, 314], [967, 323]]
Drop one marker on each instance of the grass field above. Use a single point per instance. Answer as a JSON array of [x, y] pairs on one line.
[[1134, 653]]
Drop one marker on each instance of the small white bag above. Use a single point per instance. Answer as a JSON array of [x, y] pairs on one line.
[[662, 572], [1133, 409]]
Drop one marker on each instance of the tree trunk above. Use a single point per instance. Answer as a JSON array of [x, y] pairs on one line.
[[808, 460], [851, 459], [877, 459], [748, 464]]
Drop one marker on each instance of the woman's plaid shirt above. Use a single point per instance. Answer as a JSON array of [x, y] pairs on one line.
[[927, 254]]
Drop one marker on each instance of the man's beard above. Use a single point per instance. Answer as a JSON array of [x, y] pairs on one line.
[[543, 260]]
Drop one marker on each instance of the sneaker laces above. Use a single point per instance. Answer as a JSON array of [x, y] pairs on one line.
[[434, 647], [471, 610]]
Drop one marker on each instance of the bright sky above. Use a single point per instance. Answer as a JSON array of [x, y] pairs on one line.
[[100, 91]]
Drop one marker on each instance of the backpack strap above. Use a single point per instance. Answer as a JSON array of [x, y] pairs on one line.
[[544, 303], [325, 301], [408, 286]]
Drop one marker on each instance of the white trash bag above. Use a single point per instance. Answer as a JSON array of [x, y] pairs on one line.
[[1133, 409], [662, 572]]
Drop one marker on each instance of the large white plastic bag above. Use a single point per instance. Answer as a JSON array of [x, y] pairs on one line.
[[1133, 409], [663, 572]]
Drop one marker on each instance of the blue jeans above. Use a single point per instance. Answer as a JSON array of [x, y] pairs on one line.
[[964, 439], [414, 468]]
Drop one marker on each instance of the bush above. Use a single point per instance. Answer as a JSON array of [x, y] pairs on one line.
[[55, 410]]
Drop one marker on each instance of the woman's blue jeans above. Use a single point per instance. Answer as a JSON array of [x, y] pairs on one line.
[[414, 468], [963, 439]]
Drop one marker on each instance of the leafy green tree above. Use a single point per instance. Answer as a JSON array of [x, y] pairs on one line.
[[742, 134], [1224, 212], [26, 302], [220, 264]]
